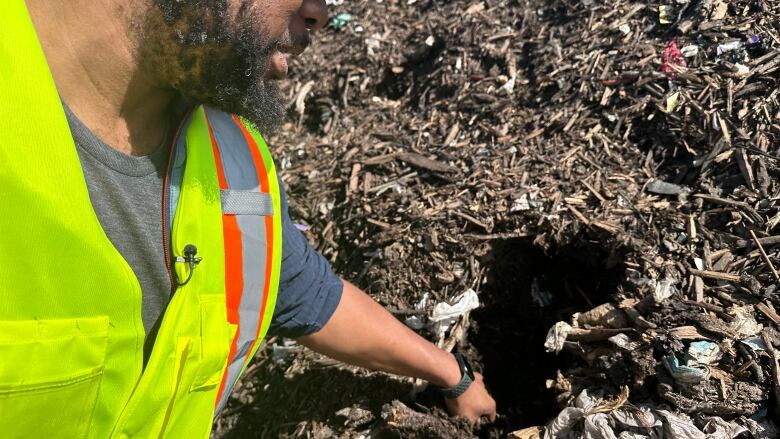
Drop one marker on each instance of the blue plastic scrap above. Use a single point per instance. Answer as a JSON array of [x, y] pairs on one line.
[[684, 373], [702, 352]]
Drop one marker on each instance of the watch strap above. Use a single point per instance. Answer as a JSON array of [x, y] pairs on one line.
[[458, 389], [466, 379]]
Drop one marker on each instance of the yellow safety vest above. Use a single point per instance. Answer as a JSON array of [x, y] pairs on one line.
[[71, 336]]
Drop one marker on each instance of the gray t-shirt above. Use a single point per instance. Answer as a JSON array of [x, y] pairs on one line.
[[126, 193]]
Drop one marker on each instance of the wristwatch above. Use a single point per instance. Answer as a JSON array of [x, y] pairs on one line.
[[466, 378]]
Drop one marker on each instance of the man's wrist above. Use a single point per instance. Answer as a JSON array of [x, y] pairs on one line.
[[466, 379], [447, 371]]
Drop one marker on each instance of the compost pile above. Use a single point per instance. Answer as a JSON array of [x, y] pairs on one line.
[[604, 170]]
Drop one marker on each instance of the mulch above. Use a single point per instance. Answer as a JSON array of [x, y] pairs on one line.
[[430, 141]]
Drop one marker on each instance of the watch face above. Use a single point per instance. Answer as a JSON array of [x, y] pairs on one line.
[[465, 366]]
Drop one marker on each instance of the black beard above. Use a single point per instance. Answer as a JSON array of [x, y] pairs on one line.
[[217, 63]]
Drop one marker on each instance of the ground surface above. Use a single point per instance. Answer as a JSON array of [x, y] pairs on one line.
[[552, 156]]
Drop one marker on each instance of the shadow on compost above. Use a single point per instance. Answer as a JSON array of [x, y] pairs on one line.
[[305, 404]]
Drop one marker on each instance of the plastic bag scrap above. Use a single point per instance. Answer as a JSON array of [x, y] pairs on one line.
[[417, 322], [690, 51], [663, 290], [718, 428], [283, 350], [684, 373], [702, 352], [762, 429], [728, 47], [445, 315], [592, 417], [556, 337], [744, 324], [698, 357]]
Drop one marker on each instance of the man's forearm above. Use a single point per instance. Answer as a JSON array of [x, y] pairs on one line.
[[363, 333]]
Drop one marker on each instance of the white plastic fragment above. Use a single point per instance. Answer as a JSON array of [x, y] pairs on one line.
[[743, 71], [728, 47], [680, 426], [373, 43], [625, 29], [509, 86], [690, 51], [280, 353], [597, 427], [664, 188], [417, 322], [641, 417], [718, 428], [563, 423], [663, 290], [445, 315], [569, 418], [744, 324], [556, 337], [586, 418]]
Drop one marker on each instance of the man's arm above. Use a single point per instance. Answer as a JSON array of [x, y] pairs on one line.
[[361, 332]]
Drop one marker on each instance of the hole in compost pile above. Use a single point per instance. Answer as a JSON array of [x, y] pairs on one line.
[[525, 293]]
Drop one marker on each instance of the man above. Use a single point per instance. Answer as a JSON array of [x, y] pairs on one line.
[[146, 244]]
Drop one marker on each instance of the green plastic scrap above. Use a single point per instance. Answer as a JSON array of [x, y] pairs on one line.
[[341, 20]]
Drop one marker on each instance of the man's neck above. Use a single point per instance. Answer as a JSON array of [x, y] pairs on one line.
[[96, 69]]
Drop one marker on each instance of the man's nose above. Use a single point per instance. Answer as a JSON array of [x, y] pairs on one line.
[[314, 14]]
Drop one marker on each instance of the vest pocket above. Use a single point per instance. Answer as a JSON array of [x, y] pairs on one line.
[[215, 340], [50, 373]]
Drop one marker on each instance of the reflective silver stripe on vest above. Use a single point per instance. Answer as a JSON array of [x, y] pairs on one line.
[[241, 175], [236, 202]]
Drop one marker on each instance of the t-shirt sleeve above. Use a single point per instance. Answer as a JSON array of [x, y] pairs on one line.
[[309, 290]]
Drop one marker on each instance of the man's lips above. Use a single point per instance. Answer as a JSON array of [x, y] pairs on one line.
[[278, 61], [277, 68]]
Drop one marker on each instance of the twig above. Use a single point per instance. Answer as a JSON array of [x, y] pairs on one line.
[[764, 255], [495, 236], [714, 275], [769, 312]]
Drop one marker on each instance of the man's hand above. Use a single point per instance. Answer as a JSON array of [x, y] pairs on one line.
[[474, 403], [363, 333]]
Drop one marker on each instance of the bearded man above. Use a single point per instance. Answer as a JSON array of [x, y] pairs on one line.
[[146, 246]]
